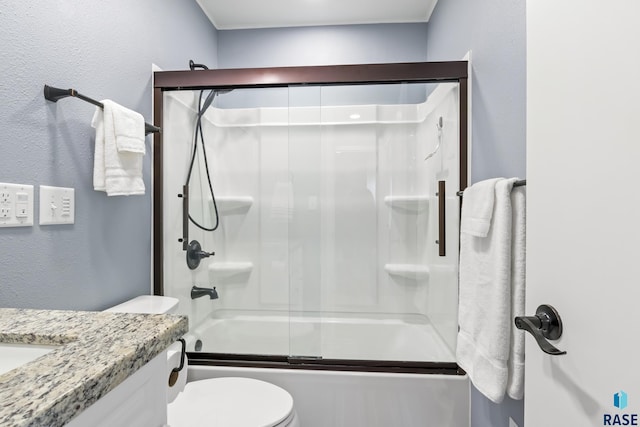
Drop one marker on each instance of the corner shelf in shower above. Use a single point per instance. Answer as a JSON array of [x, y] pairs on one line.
[[228, 269], [408, 203], [233, 204], [408, 271]]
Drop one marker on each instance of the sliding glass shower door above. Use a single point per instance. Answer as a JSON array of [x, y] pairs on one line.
[[331, 203]]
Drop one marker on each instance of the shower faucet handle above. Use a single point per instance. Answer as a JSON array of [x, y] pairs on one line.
[[195, 254], [203, 254]]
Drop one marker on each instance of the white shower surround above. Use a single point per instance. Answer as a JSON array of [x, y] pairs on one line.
[[350, 177]]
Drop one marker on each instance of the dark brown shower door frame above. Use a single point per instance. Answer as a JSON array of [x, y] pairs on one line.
[[330, 75]]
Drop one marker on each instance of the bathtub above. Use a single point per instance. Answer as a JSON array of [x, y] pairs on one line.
[[332, 335], [363, 399], [343, 398]]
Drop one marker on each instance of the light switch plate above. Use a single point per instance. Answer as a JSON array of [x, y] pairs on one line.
[[57, 205], [16, 205]]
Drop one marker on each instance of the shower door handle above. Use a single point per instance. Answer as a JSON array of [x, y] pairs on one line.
[[442, 243], [546, 324]]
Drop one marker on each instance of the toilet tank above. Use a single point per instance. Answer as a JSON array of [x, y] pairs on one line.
[[147, 304]]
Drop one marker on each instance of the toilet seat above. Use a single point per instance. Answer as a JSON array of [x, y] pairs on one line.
[[214, 402]]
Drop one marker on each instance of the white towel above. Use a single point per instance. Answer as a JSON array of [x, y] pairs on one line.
[[98, 157], [484, 315], [120, 147], [478, 202], [515, 385]]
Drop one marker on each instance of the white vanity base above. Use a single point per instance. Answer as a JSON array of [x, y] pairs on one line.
[[139, 401]]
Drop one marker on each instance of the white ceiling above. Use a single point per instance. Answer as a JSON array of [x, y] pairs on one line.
[[243, 14]]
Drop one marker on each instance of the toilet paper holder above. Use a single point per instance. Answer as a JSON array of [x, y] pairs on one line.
[[173, 376]]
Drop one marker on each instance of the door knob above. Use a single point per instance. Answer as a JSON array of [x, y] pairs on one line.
[[546, 324]]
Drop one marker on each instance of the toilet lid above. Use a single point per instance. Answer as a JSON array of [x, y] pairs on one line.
[[230, 402]]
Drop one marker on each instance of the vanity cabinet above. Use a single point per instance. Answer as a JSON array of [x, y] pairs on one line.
[[139, 401]]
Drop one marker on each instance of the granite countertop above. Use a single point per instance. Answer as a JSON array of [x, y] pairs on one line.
[[98, 350]]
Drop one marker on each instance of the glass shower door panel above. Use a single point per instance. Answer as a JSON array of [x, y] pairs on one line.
[[379, 222], [245, 134], [443, 124], [178, 126]]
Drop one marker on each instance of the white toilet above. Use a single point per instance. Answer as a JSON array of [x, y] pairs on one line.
[[220, 402]]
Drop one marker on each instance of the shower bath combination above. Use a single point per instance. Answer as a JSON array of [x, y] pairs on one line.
[[325, 213], [330, 230]]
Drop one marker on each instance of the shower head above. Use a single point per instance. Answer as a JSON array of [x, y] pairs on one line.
[[214, 92], [193, 65], [210, 97]]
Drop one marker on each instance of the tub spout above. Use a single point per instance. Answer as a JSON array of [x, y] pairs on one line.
[[197, 292]]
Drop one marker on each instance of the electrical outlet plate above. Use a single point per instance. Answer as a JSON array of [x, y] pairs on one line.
[[16, 205], [57, 205]]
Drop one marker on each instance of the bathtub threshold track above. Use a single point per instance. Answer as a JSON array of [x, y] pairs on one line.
[[318, 363]]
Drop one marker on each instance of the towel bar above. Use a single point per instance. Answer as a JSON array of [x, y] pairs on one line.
[[54, 94], [515, 184]]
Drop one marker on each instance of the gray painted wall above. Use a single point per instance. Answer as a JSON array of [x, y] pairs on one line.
[[494, 30], [104, 49], [329, 45]]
